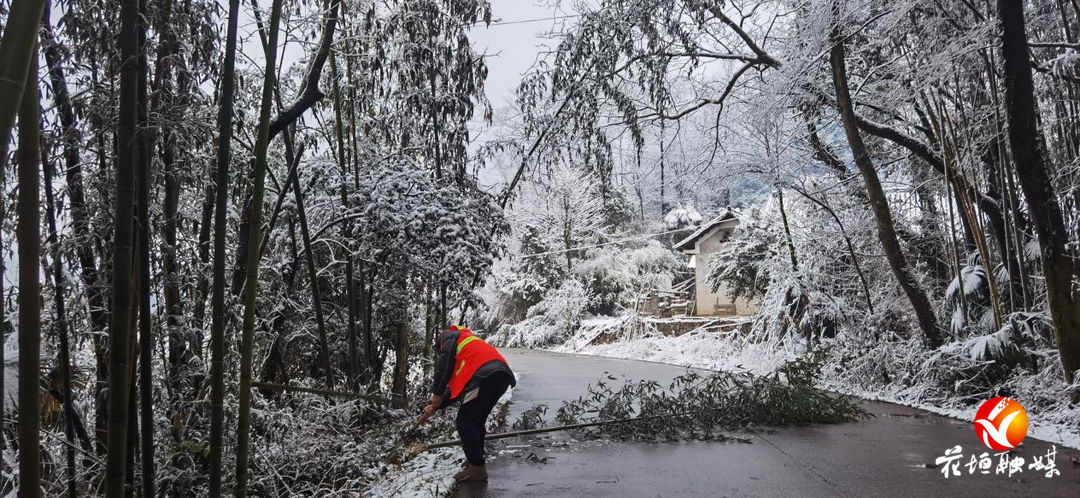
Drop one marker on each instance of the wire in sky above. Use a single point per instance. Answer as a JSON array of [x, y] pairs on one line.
[[639, 237], [524, 21]]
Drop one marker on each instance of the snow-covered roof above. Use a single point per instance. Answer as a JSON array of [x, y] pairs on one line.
[[688, 243]]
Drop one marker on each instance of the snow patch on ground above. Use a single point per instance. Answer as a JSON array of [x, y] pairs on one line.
[[431, 473], [427, 475]]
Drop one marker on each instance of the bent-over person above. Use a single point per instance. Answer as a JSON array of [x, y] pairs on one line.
[[471, 371]]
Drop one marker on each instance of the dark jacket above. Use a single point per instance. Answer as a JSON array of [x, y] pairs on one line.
[[445, 358]]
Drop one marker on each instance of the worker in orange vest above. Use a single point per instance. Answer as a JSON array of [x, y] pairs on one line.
[[472, 371]]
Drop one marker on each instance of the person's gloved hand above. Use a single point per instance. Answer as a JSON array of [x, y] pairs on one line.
[[429, 410]]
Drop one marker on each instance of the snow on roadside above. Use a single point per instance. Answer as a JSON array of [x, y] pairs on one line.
[[1056, 433], [716, 351], [707, 350]]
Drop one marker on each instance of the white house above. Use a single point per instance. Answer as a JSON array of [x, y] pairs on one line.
[[707, 240]]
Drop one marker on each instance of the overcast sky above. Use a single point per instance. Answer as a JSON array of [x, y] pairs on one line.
[[518, 36], [513, 42]]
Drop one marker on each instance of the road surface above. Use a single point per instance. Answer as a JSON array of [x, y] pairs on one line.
[[882, 457]]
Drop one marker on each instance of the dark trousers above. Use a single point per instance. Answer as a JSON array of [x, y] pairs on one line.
[[473, 414]]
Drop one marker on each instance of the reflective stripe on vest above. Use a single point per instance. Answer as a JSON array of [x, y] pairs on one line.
[[461, 345], [469, 360]]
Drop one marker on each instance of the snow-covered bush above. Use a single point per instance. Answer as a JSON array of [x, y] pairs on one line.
[[551, 321], [519, 283], [616, 276], [970, 292], [681, 217]]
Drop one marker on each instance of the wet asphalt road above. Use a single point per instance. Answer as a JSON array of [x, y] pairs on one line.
[[885, 456]]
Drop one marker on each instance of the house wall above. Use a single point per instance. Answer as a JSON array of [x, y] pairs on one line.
[[705, 298]]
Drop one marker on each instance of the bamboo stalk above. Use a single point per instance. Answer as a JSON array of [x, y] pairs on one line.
[[142, 213], [29, 241], [16, 47], [61, 323], [221, 183], [948, 128], [313, 277], [120, 325], [247, 339]]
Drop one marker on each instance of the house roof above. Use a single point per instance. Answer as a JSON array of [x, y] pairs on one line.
[[689, 242]]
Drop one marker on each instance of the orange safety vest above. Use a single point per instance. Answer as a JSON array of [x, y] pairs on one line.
[[472, 353]]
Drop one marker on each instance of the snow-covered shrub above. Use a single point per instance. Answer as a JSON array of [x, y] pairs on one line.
[[521, 282], [971, 290], [616, 276], [681, 217], [1013, 344], [551, 321], [565, 306]]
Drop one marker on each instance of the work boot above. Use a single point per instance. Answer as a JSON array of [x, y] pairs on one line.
[[472, 473]]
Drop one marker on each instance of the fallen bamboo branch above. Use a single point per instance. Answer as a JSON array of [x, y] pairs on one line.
[[320, 392], [491, 437]]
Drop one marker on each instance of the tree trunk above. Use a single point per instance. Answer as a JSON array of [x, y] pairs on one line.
[[879, 203], [429, 328], [947, 131], [367, 273], [787, 230], [206, 225], [3, 321], [132, 409], [76, 209], [247, 344], [663, 184], [29, 287], [443, 312], [1035, 180], [177, 350], [173, 305], [120, 320]]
